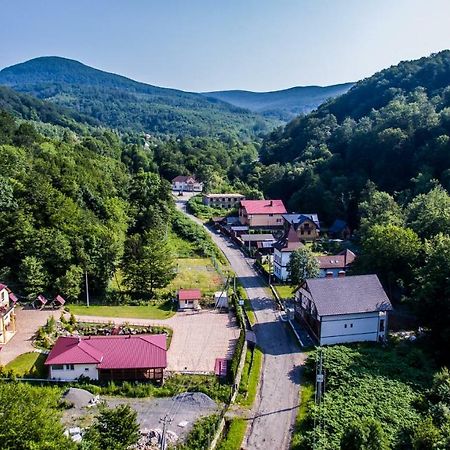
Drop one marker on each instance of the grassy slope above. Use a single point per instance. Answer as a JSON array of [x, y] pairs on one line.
[[234, 436], [250, 377], [28, 364]]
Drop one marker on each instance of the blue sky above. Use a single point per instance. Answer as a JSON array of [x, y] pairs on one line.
[[203, 45]]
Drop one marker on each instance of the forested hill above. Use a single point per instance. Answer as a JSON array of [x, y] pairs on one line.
[[28, 107], [118, 102], [284, 104], [392, 128]]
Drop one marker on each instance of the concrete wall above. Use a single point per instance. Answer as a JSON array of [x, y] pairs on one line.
[[87, 370], [351, 328]]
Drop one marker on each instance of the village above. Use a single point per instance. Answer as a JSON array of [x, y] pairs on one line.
[[209, 333]]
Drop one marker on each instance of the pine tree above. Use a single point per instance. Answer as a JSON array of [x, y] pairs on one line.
[[148, 264]]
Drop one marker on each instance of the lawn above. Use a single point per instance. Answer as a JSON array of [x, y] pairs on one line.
[[28, 364], [156, 310], [284, 291]]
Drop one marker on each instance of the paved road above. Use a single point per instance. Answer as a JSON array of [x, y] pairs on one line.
[[276, 406]]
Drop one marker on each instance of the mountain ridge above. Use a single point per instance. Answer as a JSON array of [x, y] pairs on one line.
[[125, 104], [282, 104]]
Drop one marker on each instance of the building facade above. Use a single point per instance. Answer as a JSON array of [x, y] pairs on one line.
[[227, 201], [7, 314], [131, 357], [188, 183], [344, 309], [307, 226], [189, 299], [282, 251], [265, 214]]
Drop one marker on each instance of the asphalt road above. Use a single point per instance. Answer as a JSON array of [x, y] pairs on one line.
[[273, 415]]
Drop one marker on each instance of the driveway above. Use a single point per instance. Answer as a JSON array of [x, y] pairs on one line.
[[275, 409], [27, 323], [198, 337]]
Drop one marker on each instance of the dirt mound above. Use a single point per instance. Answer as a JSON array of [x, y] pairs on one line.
[[79, 398], [196, 399]]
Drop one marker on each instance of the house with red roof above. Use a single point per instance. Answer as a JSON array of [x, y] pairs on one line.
[[262, 213], [7, 315], [189, 299], [131, 357]]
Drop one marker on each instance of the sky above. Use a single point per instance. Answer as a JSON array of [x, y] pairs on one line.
[[205, 45]]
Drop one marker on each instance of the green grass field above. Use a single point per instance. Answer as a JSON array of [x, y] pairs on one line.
[[284, 291], [29, 364], [157, 311]]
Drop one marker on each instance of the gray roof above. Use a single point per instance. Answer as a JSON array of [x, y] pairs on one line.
[[348, 295], [298, 219], [257, 237]]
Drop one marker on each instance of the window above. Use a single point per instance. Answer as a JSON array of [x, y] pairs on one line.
[[382, 326], [86, 369], [351, 325], [58, 367], [345, 326], [70, 367], [270, 215]]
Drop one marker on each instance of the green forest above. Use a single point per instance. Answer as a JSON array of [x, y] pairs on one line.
[[120, 103]]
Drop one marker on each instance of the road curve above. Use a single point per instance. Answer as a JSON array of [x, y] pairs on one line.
[[273, 415]]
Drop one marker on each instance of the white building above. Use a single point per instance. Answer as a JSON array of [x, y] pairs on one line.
[[344, 309], [7, 315], [282, 251], [183, 183], [222, 200]]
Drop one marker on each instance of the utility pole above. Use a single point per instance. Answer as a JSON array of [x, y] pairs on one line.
[[165, 421], [87, 290], [318, 397]]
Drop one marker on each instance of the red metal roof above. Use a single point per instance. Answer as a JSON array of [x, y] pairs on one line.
[[3, 286], [42, 299], [60, 300], [111, 352], [221, 367], [189, 294], [263, 206]]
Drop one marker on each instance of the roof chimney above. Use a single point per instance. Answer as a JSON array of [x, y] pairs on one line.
[[329, 275], [341, 274], [271, 203]]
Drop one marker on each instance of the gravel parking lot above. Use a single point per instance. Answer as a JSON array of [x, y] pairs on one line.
[[198, 337]]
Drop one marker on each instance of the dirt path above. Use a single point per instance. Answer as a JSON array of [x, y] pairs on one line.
[[275, 408]]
